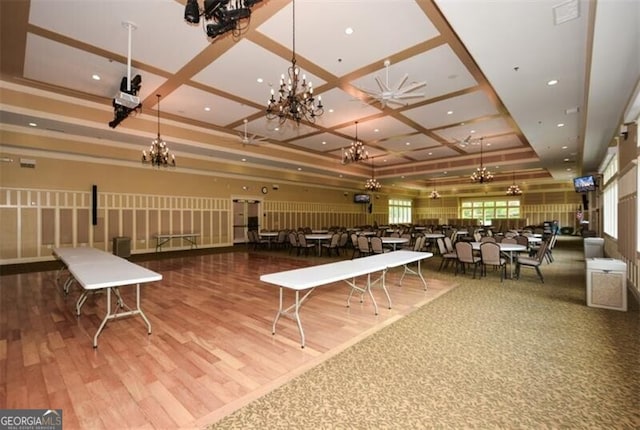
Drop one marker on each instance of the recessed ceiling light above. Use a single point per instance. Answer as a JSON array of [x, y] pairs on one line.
[[566, 160], [207, 109], [243, 159], [260, 80], [552, 82], [33, 124], [564, 147], [376, 130], [330, 110], [95, 77], [348, 31], [430, 153], [472, 131], [324, 142], [561, 124], [277, 129], [568, 169], [407, 143], [450, 112], [299, 169]]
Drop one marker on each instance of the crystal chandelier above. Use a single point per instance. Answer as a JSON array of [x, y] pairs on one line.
[[481, 175], [356, 152], [513, 189], [295, 96], [159, 154], [372, 183], [434, 193]]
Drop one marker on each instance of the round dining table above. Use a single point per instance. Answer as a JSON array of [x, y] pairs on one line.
[[318, 237], [387, 240]]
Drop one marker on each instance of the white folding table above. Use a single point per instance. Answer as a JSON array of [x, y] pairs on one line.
[[94, 270], [309, 278], [191, 238]]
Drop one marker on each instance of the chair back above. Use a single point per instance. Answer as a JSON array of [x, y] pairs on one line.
[[344, 238], [464, 250], [441, 246], [293, 240], [302, 240], [448, 243], [363, 244], [477, 236], [522, 240], [490, 253], [542, 250], [376, 245], [488, 239], [335, 239], [419, 243], [511, 240], [282, 236]]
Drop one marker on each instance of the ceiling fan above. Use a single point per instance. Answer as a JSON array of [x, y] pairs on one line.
[[249, 139], [388, 95], [469, 140]]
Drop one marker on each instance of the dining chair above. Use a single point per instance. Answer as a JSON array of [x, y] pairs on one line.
[[446, 256], [364, 248], [488, 239], [490, 256], [293, 243], [464, 251], [303, 244], [354, 245], [332, 245], [376, 246], [534, 262]]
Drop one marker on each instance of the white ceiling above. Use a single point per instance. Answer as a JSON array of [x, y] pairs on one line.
[[485, 62]]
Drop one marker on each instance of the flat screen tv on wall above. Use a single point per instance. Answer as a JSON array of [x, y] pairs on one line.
[[361, 198], [584, 184]]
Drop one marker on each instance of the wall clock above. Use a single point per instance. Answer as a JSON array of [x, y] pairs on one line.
[[265, 190]]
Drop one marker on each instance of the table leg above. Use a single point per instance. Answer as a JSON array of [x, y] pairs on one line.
[[295, 315]]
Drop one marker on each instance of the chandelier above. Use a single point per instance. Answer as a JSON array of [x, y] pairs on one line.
[[159, 154], [481, 175], [356, 152], [372, 183], [434, 193], [295, 95], [513, 189]]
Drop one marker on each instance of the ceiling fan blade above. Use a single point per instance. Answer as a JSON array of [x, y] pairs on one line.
[[402, 81], [409, 96], [412, 87], [382, 86]]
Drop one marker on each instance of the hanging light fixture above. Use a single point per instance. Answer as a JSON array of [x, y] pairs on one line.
[[295, 96], [372, 183], [159, 154], [513, 189], [481, 175], [434, 193], [356, 152]]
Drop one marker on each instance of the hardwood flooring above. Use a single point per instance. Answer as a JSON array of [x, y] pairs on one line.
[[211, 350]]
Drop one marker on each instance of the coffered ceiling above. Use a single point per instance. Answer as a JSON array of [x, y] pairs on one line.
[[486, 65]]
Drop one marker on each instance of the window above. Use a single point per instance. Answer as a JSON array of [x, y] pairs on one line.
[[399, 211], [610, 198], [487, 210]]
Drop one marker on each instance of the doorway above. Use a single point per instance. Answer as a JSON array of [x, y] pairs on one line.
[[246, 216]]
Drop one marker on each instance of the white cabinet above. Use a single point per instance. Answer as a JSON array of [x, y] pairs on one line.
[[607, 283]]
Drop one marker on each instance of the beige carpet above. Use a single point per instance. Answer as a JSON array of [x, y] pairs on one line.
[[518, 354]]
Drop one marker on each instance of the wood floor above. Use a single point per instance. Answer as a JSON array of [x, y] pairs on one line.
[[211, 350]]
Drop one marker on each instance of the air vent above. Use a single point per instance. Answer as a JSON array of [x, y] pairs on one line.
[[566, 11], [28, 162]]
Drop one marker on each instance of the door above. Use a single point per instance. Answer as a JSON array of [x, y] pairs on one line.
[[246, 216]]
